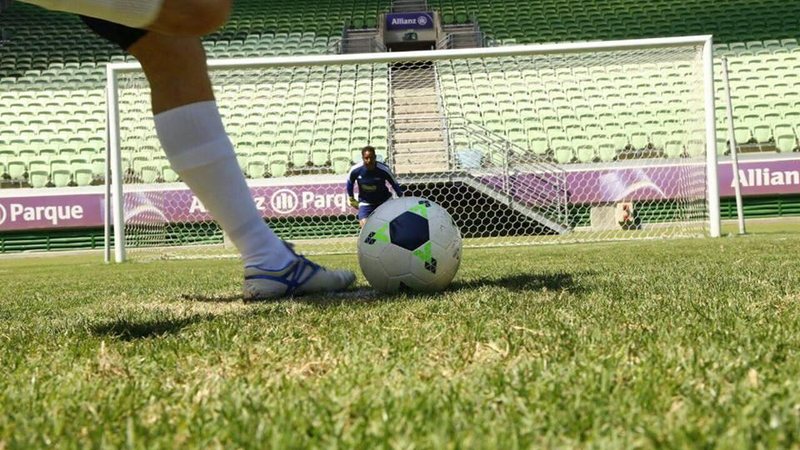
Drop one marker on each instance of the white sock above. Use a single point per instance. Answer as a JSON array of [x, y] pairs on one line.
[[200, 151]]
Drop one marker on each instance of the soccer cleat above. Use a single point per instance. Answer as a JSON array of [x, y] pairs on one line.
[[300, 277]]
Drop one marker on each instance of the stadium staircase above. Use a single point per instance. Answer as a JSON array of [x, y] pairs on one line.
[[417, 134]]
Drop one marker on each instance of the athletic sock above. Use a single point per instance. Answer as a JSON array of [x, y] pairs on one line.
[[199, 150]]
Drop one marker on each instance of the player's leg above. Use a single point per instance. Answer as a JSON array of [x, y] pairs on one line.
[[363, 213], [176, 17], [191, 132]]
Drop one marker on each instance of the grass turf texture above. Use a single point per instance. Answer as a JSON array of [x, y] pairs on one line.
[[689, 343]]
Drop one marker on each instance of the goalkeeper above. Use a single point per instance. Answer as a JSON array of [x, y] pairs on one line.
[[371, 177], [164, 35]]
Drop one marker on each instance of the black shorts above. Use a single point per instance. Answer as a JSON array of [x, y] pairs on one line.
[[114, 32]]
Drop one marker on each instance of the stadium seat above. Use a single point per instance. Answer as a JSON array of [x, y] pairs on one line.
[[150, 173], [16, 169], [563, 154], [168, 174], [585, 153], [762, 133], [61, 177], [257, 169], [785, 139], [606, 151], [673, 149], [83, 176], [39, 178]]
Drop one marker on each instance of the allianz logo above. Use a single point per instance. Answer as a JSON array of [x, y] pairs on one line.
[[766, 177], [17, 212], [287, 201], [421, 20]]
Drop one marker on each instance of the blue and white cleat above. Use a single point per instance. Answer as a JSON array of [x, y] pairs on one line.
[[300, 277]]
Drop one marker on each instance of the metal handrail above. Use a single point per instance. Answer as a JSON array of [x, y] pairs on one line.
[[489, 138], [516, 159], [440, 106]]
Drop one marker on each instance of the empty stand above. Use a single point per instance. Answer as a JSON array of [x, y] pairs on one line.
[[52, 105]]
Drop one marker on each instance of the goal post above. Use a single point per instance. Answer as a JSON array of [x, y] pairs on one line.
[[523, 144]]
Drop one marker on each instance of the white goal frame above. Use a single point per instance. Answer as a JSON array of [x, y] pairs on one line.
[[114, 184]]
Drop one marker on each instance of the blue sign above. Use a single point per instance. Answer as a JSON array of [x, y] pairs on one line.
[[409, 21]]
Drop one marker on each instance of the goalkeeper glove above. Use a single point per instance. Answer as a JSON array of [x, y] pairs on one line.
[[353, 202]]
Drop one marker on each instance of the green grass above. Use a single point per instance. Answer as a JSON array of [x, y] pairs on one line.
[[689, 343]]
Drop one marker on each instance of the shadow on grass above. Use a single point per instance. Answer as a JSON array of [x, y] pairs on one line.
[[364, 295], [229, 298], [132, 329], [515, 283]]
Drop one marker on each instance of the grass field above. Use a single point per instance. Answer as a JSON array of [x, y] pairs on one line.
[[689, 343]]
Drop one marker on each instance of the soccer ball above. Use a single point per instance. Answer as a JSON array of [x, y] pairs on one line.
[[409, 243]]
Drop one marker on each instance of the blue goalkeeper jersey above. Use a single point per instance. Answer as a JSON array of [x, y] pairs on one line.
[[372, 189]]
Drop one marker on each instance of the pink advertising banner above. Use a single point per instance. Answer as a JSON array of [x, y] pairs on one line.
[[43, 209]]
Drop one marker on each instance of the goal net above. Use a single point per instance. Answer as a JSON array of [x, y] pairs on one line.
[[522, 145]]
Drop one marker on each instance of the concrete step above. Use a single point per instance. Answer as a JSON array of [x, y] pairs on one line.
[[429, 121], [414, 97], [420, 147], [402, 168], [415, 170], [418, 127], [419, 159], [419, 110], [421, 119], [418, 136]]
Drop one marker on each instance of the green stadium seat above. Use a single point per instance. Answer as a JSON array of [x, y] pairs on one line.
[[673, 148], [638, 139], [340, 160], [257, 169], [39, 178], [83, 176], [61, 177], [563, 154], [300, 155], [785, 139], [150, 173], [16, 169], [98, 164], [606, 151], [585, 153], [742, 135], [42, 165], [762, 133], [619, 139], [169, 175]]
